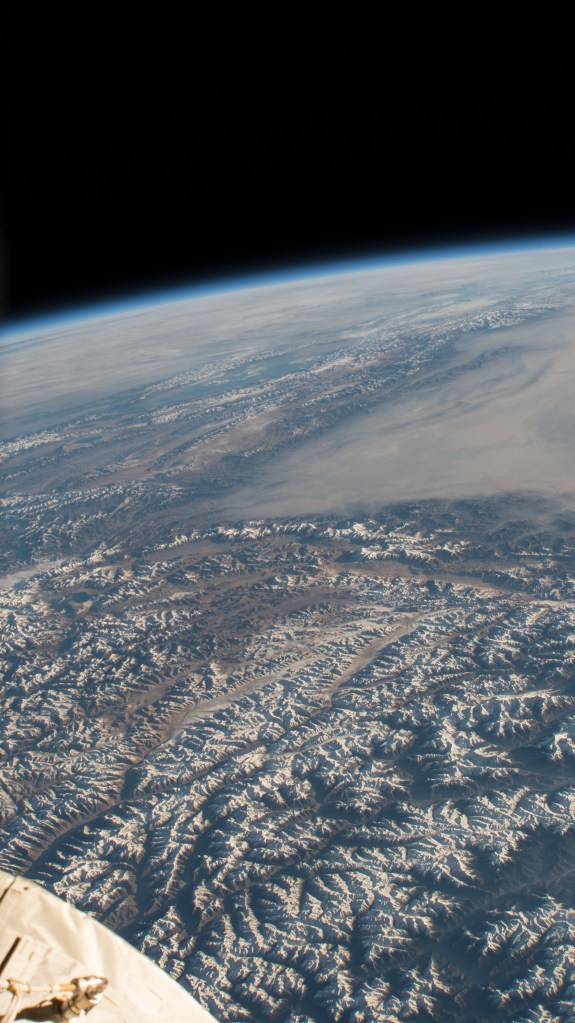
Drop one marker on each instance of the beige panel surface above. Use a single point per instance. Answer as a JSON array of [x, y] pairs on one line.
[[57, 943]]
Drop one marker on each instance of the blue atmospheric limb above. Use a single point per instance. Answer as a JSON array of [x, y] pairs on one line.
[[241, 282]]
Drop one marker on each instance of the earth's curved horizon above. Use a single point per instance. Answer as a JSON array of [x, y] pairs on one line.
[[287, 585]]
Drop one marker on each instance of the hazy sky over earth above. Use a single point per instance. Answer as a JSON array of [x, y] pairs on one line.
[[491, 411]]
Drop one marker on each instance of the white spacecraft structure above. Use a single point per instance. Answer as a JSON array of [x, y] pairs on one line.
[[57, 963]]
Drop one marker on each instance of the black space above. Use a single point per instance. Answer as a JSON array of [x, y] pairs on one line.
[[115, 191]]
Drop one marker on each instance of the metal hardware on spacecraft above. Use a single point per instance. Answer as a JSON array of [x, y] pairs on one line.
[[57, 963]]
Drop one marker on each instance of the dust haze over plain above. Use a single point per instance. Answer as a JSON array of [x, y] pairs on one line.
[[494, 412], [504, 424]]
